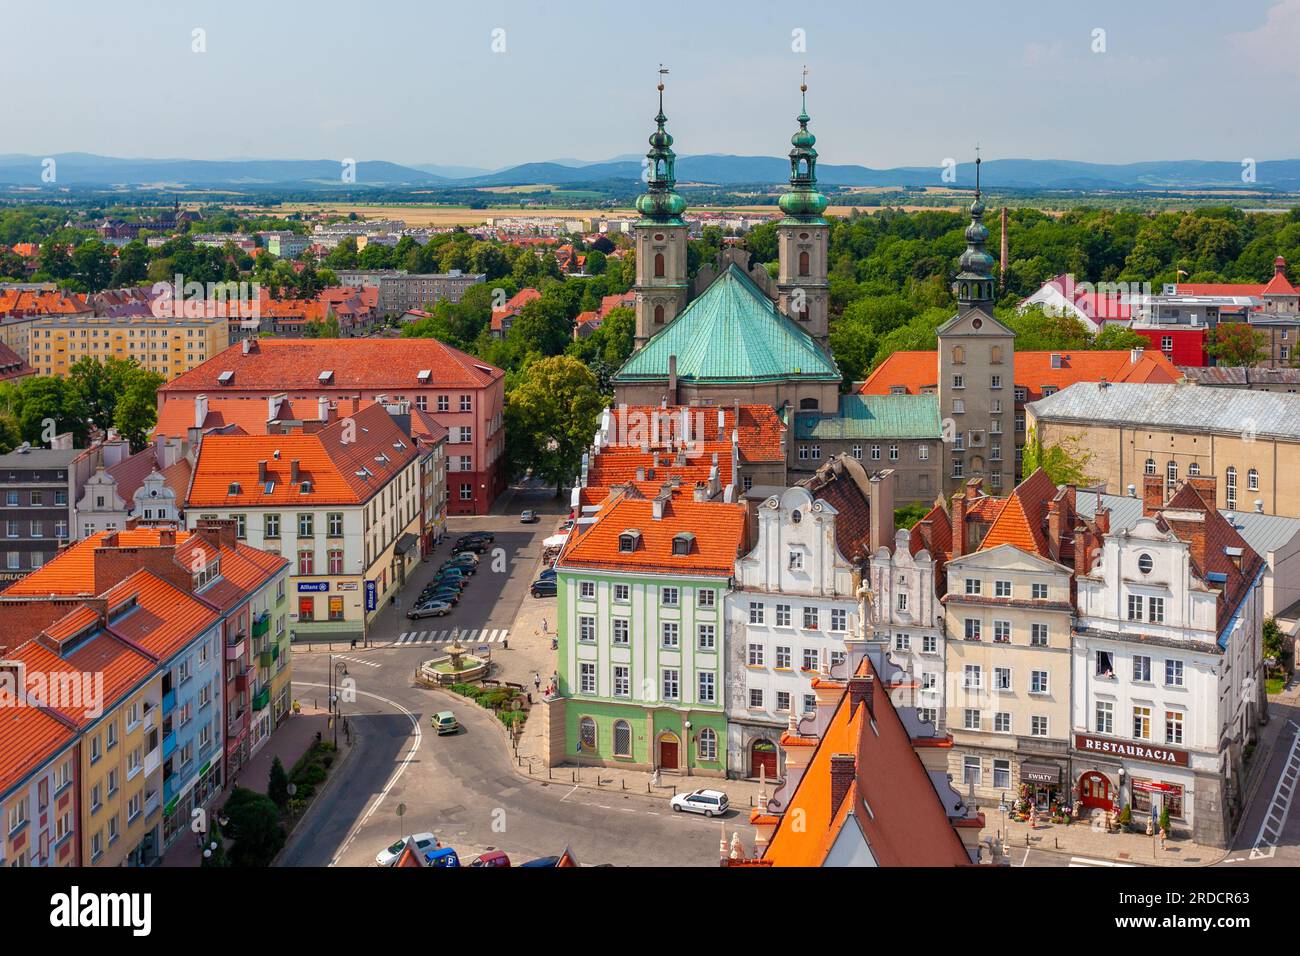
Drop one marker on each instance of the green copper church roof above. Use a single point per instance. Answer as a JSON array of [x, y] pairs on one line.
[[803, 203], [732, 333], [873, 416]]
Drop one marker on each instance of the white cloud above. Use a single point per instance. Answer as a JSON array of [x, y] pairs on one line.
[[1272, 45]]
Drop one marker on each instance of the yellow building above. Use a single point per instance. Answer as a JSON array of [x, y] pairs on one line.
[[168, 346]]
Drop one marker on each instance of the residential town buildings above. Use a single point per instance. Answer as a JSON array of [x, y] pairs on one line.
[[168, 345], [41, 488]]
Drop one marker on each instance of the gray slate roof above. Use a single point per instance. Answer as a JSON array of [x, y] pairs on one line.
[[1262, 532], [1178, 407]]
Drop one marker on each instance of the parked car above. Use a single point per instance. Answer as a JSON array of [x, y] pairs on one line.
[[547, 573], [462, 567], [542, 861], [455, 584], [429, 609], [465, 557], [444, 722], [443, 856], [544, 587], [449, 594], [711, 803], [478, 545], [423, 841], [476, 536], [491, 858], [529, 516]]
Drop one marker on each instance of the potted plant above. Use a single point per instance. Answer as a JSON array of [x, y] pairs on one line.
[[1125, 818], [1164, 823]]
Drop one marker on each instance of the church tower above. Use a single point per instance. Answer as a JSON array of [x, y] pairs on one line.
[[973, 286], [661, 271], [803, 236]]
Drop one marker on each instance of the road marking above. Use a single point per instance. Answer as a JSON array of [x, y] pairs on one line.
[[401, 768], [570, 793], [358, 660], [1085, 861], [1279, 806]]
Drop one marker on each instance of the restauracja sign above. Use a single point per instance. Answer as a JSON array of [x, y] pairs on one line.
[[1134, 751]]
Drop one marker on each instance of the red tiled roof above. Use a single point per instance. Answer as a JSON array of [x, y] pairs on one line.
[[719, 531], [13, 365], [164, 619], [1033, 370], [29, 736], [176, 417], [371, 363], [1020, 522]]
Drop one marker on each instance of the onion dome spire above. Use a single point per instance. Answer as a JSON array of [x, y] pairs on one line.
[[660, 203], [974, 283], [803, 202]]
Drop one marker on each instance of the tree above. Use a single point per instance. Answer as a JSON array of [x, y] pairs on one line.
[[1119, 337], [137, 410], [218, 858], [551, 416], [277, 787], [255, 826], [1066, 463], [92, 264], [1236, 344], [1274, 642]]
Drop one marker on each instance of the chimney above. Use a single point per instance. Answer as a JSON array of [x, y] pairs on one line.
[[640, 474], [273, 406], [1055, 524], [1207, 486], [261, 472], [1259, 506], [843, 768], [1135, 354], [861, 691], [323, 408], [1132, 491], [1002, 265], [247, 346], [293, 471], [167, 537], [1102, 519], [200, 410], [701, 491], [1153, 494], [958, 525], [1279, 267], [880, 514], [722, 423], [672, 379], [657, 507]]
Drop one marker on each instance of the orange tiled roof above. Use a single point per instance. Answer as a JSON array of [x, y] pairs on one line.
[[123, 668], [29, 302], [1033, 370], [29, 736], [719, 531], [1020, 522], [326, 457], [176, 417], [371, 363], [72, 570], [164, 619]]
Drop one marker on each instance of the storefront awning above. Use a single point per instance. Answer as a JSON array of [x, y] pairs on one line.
[[1032, 772], [405, 543]]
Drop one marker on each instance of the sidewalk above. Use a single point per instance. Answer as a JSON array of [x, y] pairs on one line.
[[1080, 839], [289, 742]]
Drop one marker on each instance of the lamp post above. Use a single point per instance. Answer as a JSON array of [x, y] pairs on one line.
[[335, 703]]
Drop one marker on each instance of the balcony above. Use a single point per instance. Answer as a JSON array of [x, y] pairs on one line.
[[235, 650], [169, 745], [266, 658], [262, 699], [169, 701], [262, 624], [151, 760]]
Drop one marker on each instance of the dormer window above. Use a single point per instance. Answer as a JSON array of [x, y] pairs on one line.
[[325, 377], [628, 541], [683, 542], [233, 489]]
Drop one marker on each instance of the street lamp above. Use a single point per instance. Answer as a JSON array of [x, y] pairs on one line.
[[335, 703]]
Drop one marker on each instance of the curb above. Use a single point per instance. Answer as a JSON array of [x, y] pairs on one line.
[[330, 782]]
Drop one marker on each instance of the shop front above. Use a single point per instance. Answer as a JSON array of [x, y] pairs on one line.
[[1041, 783], [1112, 774]]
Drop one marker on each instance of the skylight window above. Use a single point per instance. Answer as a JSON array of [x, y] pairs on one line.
[[234, 488], [225, 378], [325, 377], [268, 487]]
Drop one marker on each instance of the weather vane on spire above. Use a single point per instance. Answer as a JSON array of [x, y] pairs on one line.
[[803, 87], [977, 170]]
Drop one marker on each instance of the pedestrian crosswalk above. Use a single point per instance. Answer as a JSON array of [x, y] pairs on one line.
[[359, 660], [487, 635], [1084, 861]]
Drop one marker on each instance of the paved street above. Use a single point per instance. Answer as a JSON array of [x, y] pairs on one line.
[[464, 788]]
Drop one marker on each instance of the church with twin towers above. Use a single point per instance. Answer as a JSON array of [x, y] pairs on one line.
[[731, 334]]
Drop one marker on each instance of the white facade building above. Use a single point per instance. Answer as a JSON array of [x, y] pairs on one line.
[[906, 614]]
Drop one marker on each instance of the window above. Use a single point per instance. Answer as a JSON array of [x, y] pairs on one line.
[[587, 589], [929, 681], [1135, 607], [706, 637], [811, 659], [995, 381], [839, 619], [336, 609], [902, 600], [272, 526], [707, 746], [755, 698], [587, 629], [1038, 635], [972, 629], [929, 644], [1171, 474], [622, 738], [783, 615], [1038, 592], [811, 618], [893, 452], [622, 593], [809, 703], [1142, 723], [670, 633], [306, 562], [1252, 480], [783, 700], [1173, 673], [622, 680], [783, 657], [959, 381], [671, 684], [305, 525], [974, 677], [1001, 722], [334, 524], [902, 642], [1194, 469], [1145, 564], [1002, 589], [1037, 724], [467, 403], [1038, 682], [707, 597], [1173, 727], [708, 687], [756, 614], [1002, 632], [1142, 668], [973, 585], [587, 734], [857, 452], [923, 452], [1150, 467], [335, 560], [755, 655], [1156, 610], [970, 771], [1232, 487], [587, 678], [627, 541], [620, 631], [1002, 678], [1001, 774], [1104, 717]]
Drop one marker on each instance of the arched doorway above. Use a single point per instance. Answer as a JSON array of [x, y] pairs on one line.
[[669, 750], [1095, 790], [762, 759]]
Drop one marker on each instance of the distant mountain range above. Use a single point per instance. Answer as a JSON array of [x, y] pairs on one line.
[[91, 171]]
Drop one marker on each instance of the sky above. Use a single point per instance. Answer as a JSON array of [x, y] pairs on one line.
[[491, 83]]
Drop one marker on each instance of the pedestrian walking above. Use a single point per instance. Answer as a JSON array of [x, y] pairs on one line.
[[537, 680]]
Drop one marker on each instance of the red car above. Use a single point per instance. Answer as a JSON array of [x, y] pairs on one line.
[[491, 858]]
